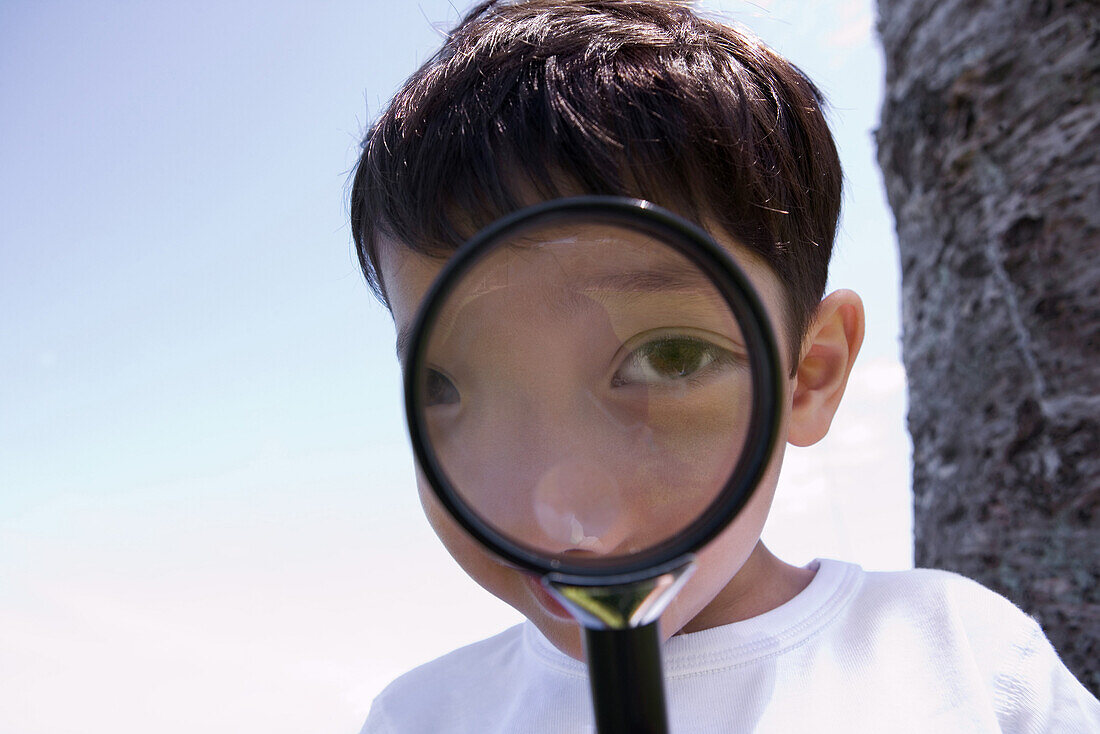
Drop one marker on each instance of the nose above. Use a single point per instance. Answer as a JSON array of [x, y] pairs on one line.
[[551, 474], [578, 505]]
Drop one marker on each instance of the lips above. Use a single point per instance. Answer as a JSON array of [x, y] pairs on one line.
[[551, 605]]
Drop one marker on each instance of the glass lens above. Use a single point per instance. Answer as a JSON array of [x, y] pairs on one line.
[[585, 390]]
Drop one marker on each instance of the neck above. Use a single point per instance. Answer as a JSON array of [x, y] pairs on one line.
[[763, 583]]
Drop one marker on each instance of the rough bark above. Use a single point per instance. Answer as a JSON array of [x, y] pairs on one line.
[[990, 147]]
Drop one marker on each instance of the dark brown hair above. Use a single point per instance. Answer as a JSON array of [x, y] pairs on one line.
[[644, 98]]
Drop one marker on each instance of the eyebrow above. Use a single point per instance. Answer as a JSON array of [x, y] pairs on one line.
[[663, 280], [678, 278]]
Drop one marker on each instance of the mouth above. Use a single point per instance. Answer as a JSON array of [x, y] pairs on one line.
[[551, 605]]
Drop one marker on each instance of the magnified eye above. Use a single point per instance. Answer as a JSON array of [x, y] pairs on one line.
[[440, 390], [669, 359]]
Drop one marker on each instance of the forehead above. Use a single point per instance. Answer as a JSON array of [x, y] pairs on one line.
[[584, 263]]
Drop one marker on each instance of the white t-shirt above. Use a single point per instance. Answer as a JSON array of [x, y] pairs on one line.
[[911, 651]]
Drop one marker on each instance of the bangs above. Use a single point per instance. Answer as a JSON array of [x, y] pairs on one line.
[[537, 100]]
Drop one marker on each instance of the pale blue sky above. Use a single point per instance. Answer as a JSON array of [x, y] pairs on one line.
[[205, 487]]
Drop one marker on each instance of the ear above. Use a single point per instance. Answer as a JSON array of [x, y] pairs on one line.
[[829, 350]]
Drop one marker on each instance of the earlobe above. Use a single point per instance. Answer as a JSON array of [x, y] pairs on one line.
[[829, 351]]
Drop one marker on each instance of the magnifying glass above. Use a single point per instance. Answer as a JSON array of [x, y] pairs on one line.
[[593, 391]]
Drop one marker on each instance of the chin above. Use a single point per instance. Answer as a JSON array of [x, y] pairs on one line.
[[551, 618], [564, 634]]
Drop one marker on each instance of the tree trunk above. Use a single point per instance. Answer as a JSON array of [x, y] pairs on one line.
[[990, 147]]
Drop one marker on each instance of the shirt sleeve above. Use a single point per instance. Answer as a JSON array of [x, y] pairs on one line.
[[1042, 695], [377, 721]]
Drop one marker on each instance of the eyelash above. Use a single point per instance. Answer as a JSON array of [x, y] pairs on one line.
[[441, 390], [694, 368], [436, 384]]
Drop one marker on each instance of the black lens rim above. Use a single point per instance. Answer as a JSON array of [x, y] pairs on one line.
[[765, 366]]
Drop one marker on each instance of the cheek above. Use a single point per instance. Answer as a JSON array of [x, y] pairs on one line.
[[478, 564], [700, 446], [723, 557], [501, 581], [460, 545]]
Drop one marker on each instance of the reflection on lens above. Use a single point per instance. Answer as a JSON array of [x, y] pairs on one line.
[[585, 390]]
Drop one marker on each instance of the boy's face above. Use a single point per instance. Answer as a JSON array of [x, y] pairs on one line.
[[676, 426]]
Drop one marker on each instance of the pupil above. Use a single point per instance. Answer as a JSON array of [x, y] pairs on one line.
[[440, 390], [676, 357]]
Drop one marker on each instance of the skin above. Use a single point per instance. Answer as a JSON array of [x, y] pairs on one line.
[[736, 577]]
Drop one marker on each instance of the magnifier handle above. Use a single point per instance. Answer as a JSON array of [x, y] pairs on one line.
[[628, 688]]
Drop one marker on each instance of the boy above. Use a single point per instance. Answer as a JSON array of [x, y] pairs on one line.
[[535, 100]]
